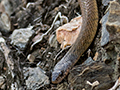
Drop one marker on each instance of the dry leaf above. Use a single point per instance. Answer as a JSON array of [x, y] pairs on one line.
[[68, 33]]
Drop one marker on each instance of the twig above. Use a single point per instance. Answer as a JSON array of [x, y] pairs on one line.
[[96, 83], [43, 35], [116, 85], [84, 71]]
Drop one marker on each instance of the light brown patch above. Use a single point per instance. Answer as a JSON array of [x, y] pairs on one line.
[[68, 33]]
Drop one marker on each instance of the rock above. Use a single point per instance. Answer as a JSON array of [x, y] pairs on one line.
[[57, 24], [88, 61], [92, 73], [31, 58], [113, 22], [20, 37], [105, 2], [2, 81], [36, 54], [35, 78], [105, 34], [8, 7], [112, 49], [53, 41], [5, 23], [113, 28], [2, 8]]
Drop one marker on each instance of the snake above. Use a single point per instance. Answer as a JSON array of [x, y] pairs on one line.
[[88, 30]]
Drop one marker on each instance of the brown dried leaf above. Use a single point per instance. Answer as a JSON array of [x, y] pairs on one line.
[[68, 33]]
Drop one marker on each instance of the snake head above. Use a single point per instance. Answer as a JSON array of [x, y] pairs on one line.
[[57, 77]]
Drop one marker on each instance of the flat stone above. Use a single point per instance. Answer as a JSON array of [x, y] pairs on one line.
[[35, 78], [105, 34], [5, 23], [20, 37]]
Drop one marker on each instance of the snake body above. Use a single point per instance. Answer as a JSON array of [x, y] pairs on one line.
[[85, 38]]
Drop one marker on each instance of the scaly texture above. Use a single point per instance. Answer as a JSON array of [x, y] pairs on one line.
[[85, 38]]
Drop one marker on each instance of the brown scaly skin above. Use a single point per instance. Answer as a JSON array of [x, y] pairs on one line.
[[85, 38]]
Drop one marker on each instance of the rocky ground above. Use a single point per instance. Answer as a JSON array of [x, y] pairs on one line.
[[29, 49]]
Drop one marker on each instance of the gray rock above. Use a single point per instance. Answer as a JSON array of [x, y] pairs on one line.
[[53, 41], [105, 34], [113, 23], [5, 23], [88, 61], [8, 7], [2, 80], [20, 37], [106, 2], [35, 78], [113, 28], [81, 74]]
